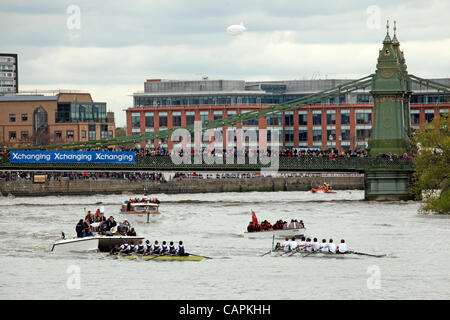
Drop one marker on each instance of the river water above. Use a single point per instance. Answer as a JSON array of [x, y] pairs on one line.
[[416, 267]]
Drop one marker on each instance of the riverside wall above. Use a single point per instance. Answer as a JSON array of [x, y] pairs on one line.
[[64, 186]]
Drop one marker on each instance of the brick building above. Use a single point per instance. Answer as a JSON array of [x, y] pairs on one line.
[[343, 122], [28, 120]]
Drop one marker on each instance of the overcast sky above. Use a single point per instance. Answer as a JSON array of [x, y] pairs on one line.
[[110, 48]]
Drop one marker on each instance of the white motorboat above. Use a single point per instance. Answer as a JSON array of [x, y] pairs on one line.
[[93, 243], [140, 211], [279, 234]]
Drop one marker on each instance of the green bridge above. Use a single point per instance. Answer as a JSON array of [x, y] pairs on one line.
[[386, 179], [165, 163]]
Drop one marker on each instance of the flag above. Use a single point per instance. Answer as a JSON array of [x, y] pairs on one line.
[[254, 219]]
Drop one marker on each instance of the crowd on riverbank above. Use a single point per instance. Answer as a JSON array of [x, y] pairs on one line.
[[57, 175], [158, 176]]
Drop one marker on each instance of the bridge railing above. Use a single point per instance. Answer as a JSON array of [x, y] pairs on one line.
[[165, 163]]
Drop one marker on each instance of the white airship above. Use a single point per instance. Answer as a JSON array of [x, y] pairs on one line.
[[236, 29]]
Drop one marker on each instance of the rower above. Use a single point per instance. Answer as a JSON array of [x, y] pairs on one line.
[[308, 245], [180, 250], [277, 247], [172, 249], [331, 246], [293, 245], [164, 247], [156, 248], [301, 244], [131, 233], [315, 245], [324, 246], [286, 245], [139, 248], [114, 250], [123, 248], [342, 247], [148, 247]]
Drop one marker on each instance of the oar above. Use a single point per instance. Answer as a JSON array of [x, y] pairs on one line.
[[156, 256], [368, 254], [266, 253], [191, 254]]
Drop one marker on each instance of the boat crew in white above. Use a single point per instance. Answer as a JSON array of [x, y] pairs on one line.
[[315, 245], [342, 247], [324, 246], [331, 246]]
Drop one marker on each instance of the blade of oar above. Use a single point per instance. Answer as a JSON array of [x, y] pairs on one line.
[[266, 253], [191, 254], [368, 254]]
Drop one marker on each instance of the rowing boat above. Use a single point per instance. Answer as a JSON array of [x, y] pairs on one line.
[[158, 257], [304, 254]]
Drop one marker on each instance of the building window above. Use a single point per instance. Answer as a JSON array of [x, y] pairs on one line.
[[83, 134], [274, 120], [289, 119], [288, 134], [363, 117], [317, 134], [331, 134], [176, 119], [58, 134], [303, 134], [302, 119], [190, 118], [415, 118], [12, 135], [429, 116], [69, 134], [136, 120], [163, 119], [103, 131], [110, 134], [345, 116], [345, 134], [317, 118], [217, 115], [24, 135], [249, 122], [331, 118], [12, 117], [24, 117], [149, 119], [204, 116], [92, 132], [363, 134]]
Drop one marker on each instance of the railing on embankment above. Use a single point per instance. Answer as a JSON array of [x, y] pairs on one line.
[[165, 163]]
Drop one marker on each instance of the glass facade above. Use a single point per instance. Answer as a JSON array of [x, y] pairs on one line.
[[81, 112]]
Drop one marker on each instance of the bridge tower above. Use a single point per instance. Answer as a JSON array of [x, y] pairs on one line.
[[391, 92]]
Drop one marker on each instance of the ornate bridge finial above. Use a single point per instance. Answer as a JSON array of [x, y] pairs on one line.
[[387, 27]]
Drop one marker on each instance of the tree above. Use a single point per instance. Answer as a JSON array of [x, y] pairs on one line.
[[432, 166]]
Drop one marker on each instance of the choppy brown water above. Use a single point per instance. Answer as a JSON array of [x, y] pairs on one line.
[[213, 224]]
